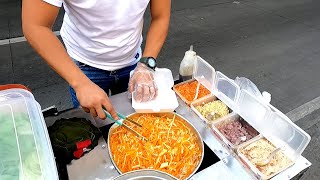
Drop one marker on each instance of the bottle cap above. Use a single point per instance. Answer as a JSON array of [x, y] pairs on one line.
[[190, 52]]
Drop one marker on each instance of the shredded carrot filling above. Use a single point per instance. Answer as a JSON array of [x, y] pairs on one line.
[[171, 147], [188, 90]]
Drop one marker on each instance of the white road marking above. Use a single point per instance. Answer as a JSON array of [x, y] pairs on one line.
[[19, 39], [4, 42], [304, 110]]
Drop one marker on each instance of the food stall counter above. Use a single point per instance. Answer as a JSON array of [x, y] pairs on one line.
[[97, 164]]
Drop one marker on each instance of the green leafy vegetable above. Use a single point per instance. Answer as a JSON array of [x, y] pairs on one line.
[[16, 136]]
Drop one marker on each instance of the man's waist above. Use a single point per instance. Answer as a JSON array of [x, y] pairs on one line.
[[106, 64], [127, 68]]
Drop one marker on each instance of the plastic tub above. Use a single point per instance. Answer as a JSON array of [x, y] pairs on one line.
[[251, 166], [273, 125], [203, 73], [217, 125], [202, 101], [202, 89], [25, 151]]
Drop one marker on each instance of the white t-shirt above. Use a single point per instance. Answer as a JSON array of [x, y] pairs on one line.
[[106, 34]]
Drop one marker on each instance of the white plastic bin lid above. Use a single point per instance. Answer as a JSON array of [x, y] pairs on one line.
[[252, 110], [281, 131], [226, 90], [219, 84], [204, 73], [273, 124], [25, 148], [166, 101]]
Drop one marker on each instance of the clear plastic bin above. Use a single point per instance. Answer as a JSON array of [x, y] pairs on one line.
[[166, 101], [281, 131], [220, 86], [203, 101], [250, 166], [266, 119], [224, 88], [273, 125], [25, 151], [188, 102], [215, 126], [203, 73]]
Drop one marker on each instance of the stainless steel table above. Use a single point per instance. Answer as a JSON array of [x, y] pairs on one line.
[[96, 165]]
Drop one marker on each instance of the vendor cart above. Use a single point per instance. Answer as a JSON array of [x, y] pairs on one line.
[[24, 124], [219, 162]]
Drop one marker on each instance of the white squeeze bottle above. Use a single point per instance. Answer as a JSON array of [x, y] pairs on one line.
[[187, 64]]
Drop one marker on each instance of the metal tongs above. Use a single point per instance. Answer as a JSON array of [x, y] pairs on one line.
[[125, 118]]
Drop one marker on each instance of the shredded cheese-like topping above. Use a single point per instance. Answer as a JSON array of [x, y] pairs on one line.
[[217, 107], [260, 150], [171, 147]]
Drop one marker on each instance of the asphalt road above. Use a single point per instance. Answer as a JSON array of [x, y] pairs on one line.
[[273, 43]]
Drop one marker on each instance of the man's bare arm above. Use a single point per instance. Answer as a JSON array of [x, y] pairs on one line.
[[38, 18], [158, 30]]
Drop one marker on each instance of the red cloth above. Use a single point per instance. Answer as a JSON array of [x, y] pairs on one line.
[[80, 146]]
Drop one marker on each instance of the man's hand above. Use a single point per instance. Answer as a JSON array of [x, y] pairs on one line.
[[142, 84], [92, 98]]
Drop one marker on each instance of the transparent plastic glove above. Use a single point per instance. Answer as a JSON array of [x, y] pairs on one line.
[[142, 85]]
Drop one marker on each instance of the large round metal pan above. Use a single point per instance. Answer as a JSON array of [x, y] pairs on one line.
[[170, 115], [145, 174]]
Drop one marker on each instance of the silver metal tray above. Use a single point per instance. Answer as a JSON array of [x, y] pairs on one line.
[[168, 114]]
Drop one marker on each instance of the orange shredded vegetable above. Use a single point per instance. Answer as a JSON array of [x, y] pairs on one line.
[[188, 90], [171, 147]]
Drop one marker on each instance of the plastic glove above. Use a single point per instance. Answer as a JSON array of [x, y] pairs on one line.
[[142, 84]]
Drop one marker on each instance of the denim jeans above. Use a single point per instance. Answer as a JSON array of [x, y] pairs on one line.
[[114, 81]]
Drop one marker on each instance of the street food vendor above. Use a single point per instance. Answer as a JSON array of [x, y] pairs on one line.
[[103, 44]]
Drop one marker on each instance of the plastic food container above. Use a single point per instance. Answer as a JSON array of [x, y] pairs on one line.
[[203, 73], [231, 118], [201, 102], [221, 87], [251, 166], [202, 90], [224, 88], [25, 151], [273, 125], [166, 101]]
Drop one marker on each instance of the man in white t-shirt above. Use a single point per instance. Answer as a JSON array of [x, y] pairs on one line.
[[102, 40]]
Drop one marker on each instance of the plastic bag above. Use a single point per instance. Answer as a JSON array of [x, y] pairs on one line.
[[245, 83]]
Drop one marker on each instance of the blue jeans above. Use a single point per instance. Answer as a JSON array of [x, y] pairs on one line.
[[114, 81]]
